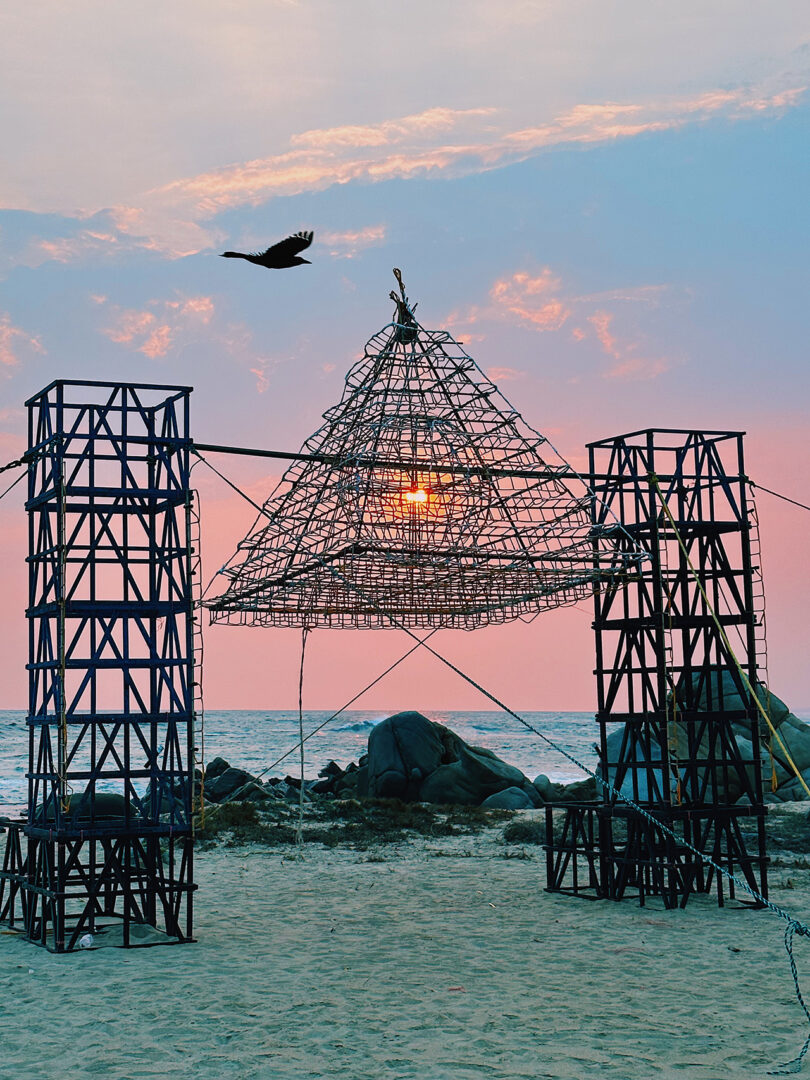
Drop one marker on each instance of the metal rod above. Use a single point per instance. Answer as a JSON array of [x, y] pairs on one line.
[[380, 463], [426, 466]]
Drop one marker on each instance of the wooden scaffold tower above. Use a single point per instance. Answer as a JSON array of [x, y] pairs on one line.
[[105, 851], [677, 659]]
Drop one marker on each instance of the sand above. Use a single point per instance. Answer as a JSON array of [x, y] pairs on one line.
[[439, 960]]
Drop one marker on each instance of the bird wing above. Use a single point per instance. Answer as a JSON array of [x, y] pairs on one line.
[[289, 247]]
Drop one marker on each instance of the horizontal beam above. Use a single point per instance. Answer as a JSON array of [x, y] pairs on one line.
[[561, 473], [380, 463]]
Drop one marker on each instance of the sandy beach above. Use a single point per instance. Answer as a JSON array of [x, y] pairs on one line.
[[439, 959]]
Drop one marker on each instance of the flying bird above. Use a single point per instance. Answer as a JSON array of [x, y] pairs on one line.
[[280, 255]]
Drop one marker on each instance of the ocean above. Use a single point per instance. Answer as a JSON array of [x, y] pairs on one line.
[[255, 739]]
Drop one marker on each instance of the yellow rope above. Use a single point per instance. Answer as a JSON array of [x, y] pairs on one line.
[[724, 637]]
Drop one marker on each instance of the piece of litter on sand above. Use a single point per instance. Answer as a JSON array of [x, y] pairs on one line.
[[461, 988]]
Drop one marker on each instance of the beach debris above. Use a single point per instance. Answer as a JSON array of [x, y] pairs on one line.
[[86, 941]]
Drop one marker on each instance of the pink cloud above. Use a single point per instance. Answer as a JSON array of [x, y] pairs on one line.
[[531, 299], [172, 219], [347, 244], [638, 368], [153, 334], [428, 123], [158, 342], [540, 302], [504, 374], [13, 339], [262, 379], [201, 306], [600, 321], [130, 325]]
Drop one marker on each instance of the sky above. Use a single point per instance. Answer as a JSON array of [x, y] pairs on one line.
[[605, 201]]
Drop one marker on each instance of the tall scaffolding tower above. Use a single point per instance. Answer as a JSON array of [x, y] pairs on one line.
[[670, 694], [106, 847]]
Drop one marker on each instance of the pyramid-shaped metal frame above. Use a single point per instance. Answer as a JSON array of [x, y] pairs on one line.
[[423, 501]]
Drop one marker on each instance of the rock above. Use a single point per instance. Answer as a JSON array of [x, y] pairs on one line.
[[581, 790], [108, 806], [410, 758], [345, 787], [792, 790], [795, 734], [451, 785], [324, 787], [401, 751], [487, 768], [362, 781], [719, 692], [614, 748], [331, 768], [544, 787], [511, 798], [531, 792], [216, 768], [226, 783], [252, 792]]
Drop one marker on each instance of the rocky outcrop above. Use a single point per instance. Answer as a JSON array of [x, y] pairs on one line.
[[409, 758], [417, 760], [718, 692], [402, 751]]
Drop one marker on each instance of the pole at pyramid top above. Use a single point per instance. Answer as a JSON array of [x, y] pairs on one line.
[[407, 325]]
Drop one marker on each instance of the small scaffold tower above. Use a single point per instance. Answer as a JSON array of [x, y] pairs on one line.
[[106, 847], [668, 688]]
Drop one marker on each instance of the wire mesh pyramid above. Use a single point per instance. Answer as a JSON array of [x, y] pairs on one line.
[[422, 501]]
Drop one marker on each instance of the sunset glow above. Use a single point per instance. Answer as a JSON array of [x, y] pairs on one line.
[[606, 206]]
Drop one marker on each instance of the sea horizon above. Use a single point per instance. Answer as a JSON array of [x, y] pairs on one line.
[[255, 740]]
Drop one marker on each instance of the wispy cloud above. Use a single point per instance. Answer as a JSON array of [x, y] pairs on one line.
[[263, 370], [176, 219], [154, 329], [638, 368], [533, 300], [432, 122], [601, 321], [540, 302], [345, 245], [16, 342], [504, 374], [340, 155]]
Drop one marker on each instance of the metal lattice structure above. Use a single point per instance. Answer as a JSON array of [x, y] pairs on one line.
[[107, 843], [668, 689], [424, 500]]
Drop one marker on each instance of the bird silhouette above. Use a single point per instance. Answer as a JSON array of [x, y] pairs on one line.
[[280, 255]]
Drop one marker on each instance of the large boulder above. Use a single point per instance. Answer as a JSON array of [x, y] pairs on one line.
[[402, 751], [511, 798], [411, 757], [225, 783], [719, 691], [450, 785]]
